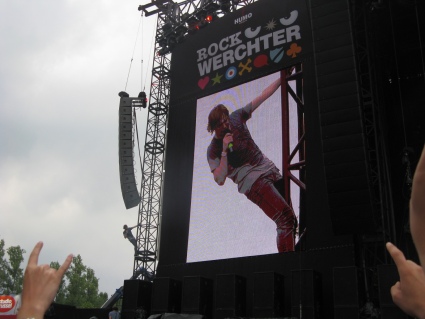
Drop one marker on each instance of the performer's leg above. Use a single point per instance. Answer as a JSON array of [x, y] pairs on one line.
[[285, 238], [265, 195], [134, 242]]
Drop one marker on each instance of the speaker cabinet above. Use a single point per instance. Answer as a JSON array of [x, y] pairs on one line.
[[346, 292], [166, 295], [197, 296], [268, 295], [387, 277], [137, 295], [58, 311], [101, 313], [306, 290], [388, 312], [230, 296], [133, 313], [347, 312]]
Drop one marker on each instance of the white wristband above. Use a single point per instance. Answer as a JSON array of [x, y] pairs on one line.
[[223, 154]]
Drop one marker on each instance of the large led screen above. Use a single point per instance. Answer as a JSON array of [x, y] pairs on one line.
[[232, 62], [224, 223]]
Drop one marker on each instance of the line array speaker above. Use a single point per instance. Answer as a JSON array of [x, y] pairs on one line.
[[341, 120], [129, 190]]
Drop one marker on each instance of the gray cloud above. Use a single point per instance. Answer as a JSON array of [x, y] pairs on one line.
[[63, 64]]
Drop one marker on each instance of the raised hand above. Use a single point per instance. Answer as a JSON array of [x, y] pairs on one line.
[[409, 292], [41, 283]]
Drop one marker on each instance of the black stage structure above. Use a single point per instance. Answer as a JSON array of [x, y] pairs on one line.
[[354, 71]]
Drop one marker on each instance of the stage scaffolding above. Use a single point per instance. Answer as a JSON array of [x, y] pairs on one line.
[[172, 16], [371, 247]]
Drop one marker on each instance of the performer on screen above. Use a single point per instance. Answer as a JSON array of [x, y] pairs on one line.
[[233, 153]]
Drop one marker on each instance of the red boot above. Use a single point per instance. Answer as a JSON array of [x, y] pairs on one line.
[[286, 228], [285, 239]]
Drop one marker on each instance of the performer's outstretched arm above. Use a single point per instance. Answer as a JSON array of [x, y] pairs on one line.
[[267, 92]]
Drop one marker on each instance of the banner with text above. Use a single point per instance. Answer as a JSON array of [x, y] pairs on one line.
[[258, 39]]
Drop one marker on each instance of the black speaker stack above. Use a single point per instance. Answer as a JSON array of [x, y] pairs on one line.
[[197, 296], [137, 298]]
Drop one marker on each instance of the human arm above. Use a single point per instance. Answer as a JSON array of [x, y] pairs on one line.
[[417, 209], [220, 172], [41, 283], [265, 94], [409, 292]]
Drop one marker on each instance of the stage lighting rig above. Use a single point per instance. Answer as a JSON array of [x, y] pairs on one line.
[[171, 41], [212, 8], [202, 18], [178, 24], [211, 17], [154, 7], [180, 31], [208, 14], [192, 25], [163, 51], [143, 99], [167, 27], [224, 6], [123, 94]]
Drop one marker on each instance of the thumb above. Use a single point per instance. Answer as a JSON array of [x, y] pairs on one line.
[[395, 290]]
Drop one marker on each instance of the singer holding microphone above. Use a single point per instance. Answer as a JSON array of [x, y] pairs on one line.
[[233, 153]]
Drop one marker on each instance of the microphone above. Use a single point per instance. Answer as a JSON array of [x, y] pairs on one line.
[[230, 147]]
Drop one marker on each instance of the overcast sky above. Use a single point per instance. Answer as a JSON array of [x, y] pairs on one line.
[[62, 66]]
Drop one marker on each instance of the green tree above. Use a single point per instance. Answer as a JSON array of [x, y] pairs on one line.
[[80, 287], [61, 294], [11, 273]]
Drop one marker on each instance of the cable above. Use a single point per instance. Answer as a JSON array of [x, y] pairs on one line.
[[143, 86], [420, 40], [398, 74], [141, 67], [134, 48]]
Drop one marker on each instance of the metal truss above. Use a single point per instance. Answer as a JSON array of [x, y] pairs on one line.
[[293, 156], [372, 247], [293, 87], [175, 10], [169, 12]]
